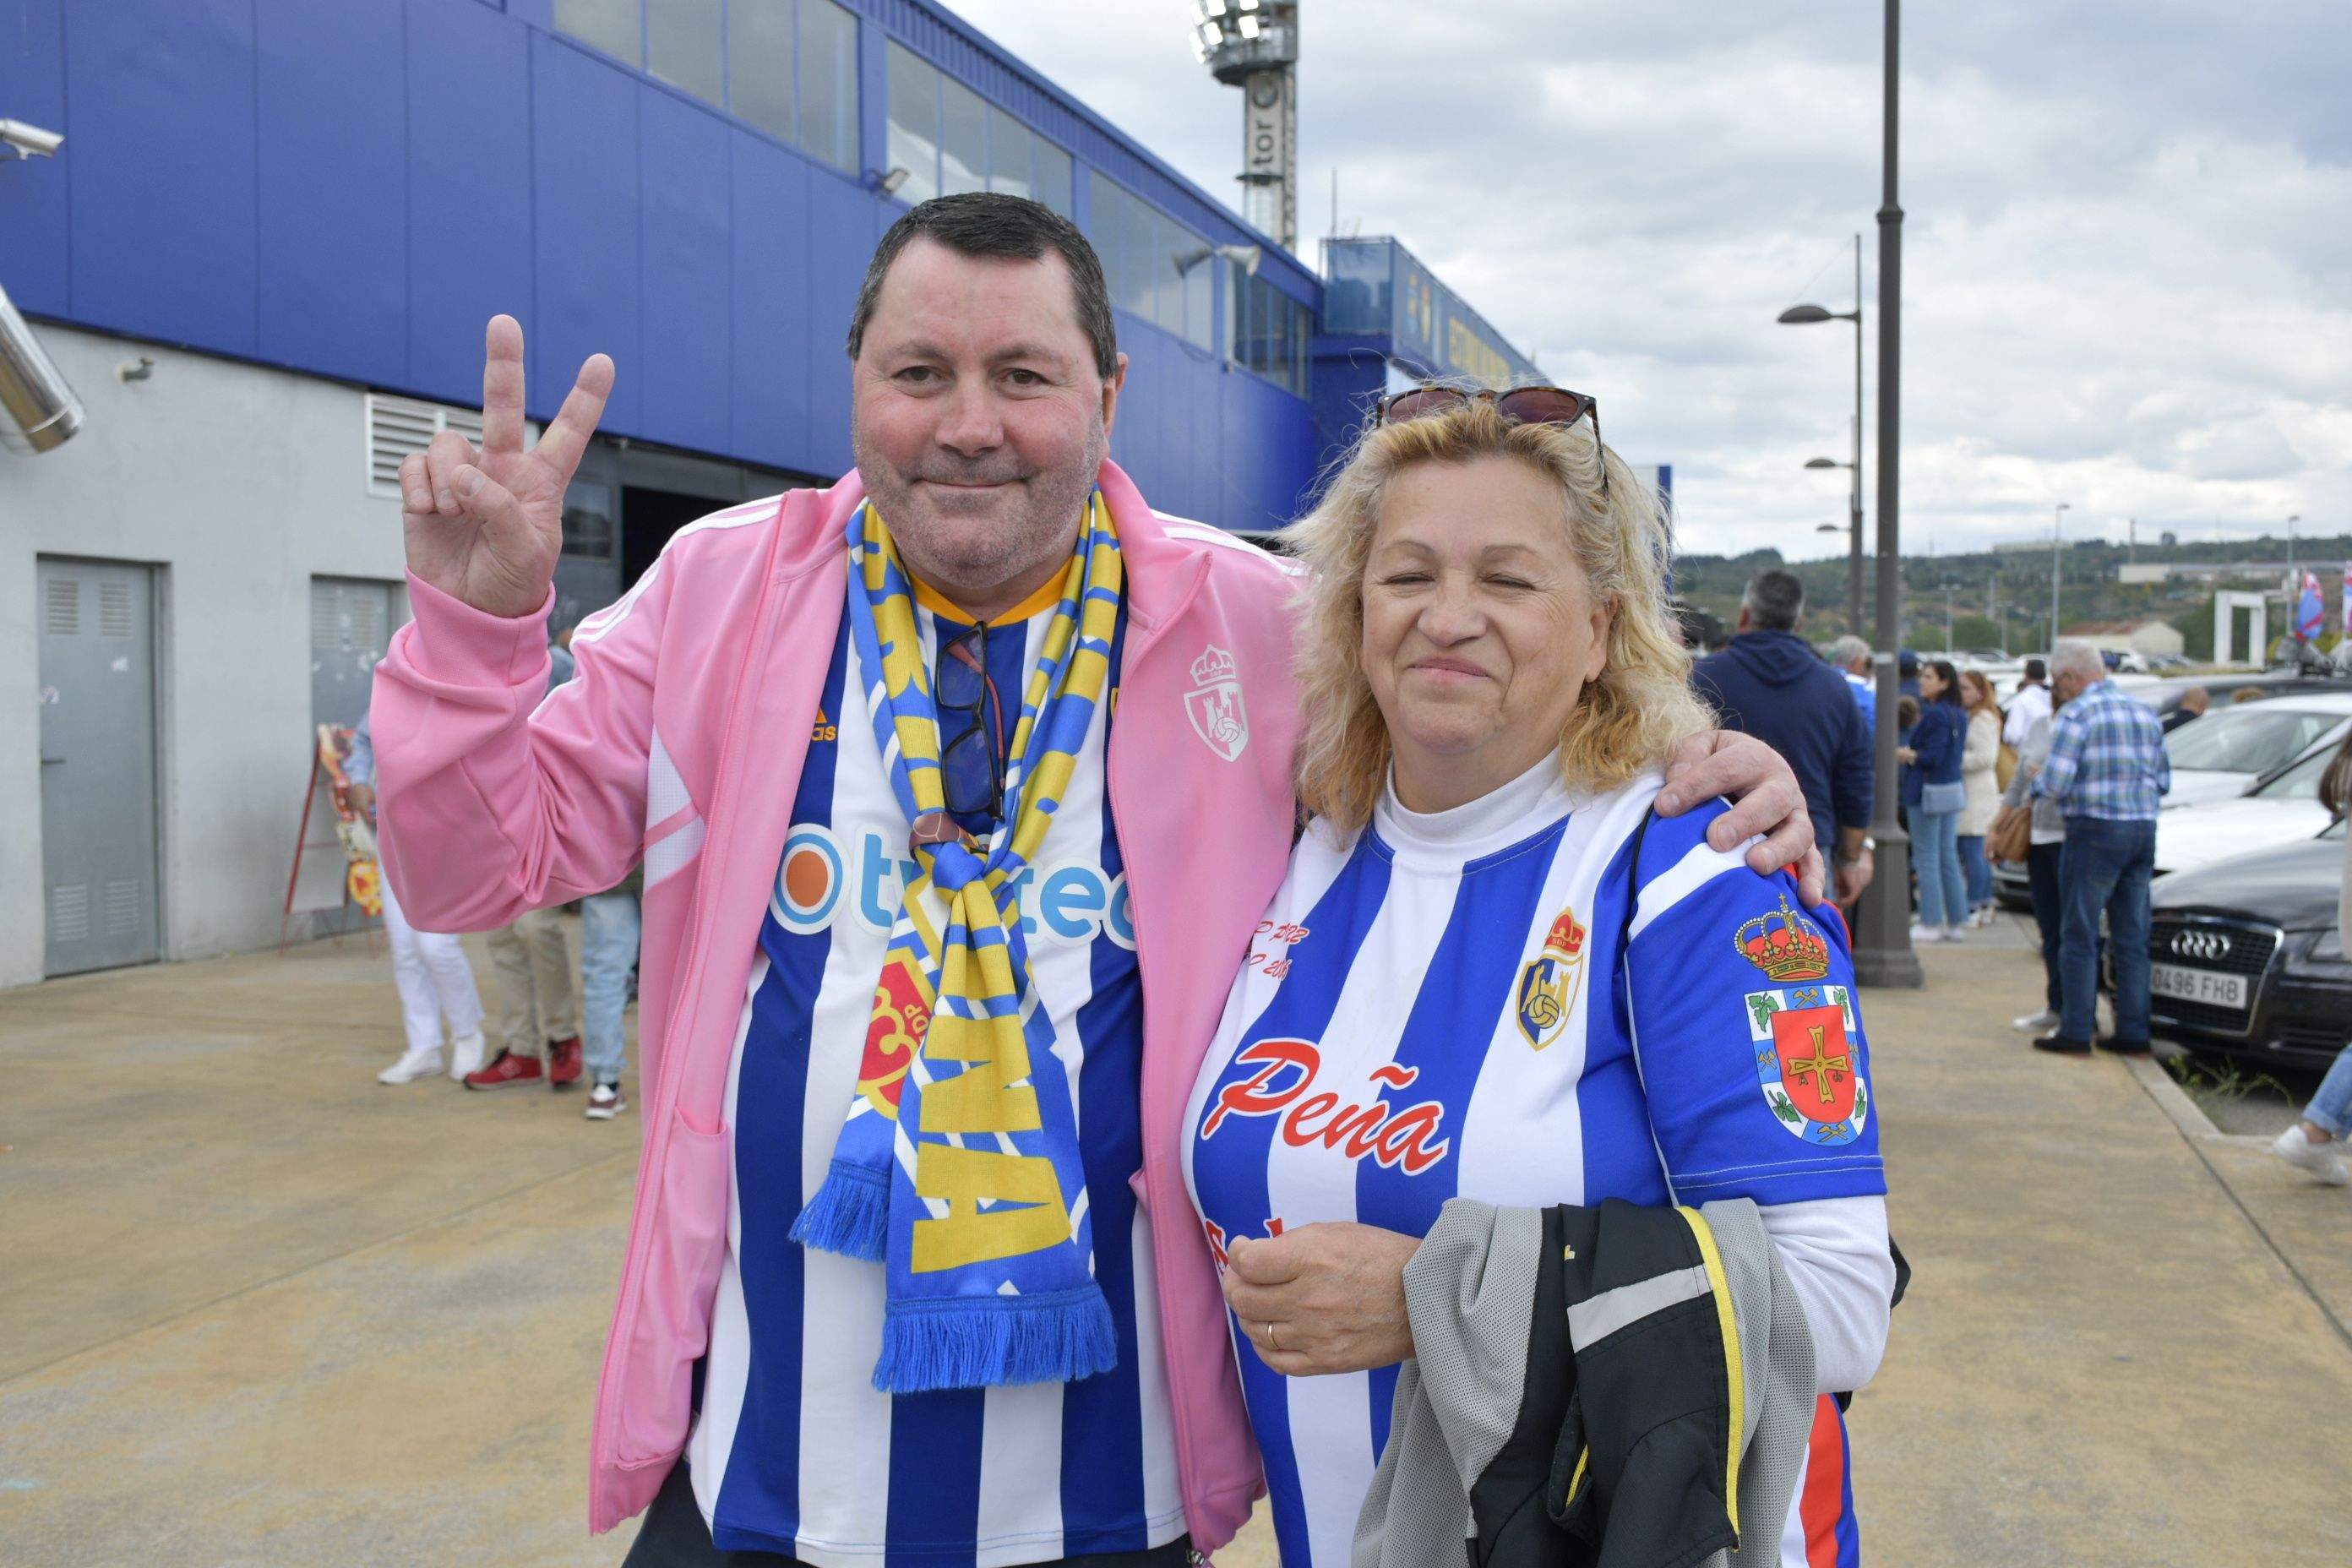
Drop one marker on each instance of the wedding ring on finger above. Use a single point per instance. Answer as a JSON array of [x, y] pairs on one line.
[[1270, 1339]]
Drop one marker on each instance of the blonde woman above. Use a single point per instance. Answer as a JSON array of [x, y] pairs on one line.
[[1979, 770], [1492, 972]]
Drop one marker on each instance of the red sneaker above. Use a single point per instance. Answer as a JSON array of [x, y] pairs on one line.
[[564, 1063], [506, 1070]]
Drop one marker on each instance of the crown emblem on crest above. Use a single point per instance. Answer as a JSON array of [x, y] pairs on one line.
[[1214, 665], [1566, 936], [1792, 947]]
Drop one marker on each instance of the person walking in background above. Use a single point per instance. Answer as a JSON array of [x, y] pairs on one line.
[[536, 999], [1769, 684], [1852, 657], [2192, 706], [2030, 702], [1934, 753], [1980, 764], [1907, 674], [610, 925], [428, 968], [2310, 1143], [2046, 844], [2108, 774]]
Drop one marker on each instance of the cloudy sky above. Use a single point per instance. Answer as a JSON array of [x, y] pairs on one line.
[[2127, 252]]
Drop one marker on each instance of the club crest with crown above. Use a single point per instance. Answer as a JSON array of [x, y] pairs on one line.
[[1215, 703], [1548, 982], [1786, 946]]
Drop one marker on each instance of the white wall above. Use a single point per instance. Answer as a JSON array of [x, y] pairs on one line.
[[241, 483]]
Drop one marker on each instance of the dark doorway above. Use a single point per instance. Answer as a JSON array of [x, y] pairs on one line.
[[648, 518]]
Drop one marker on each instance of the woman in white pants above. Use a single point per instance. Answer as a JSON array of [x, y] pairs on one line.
[[428, 967], [435, 979]]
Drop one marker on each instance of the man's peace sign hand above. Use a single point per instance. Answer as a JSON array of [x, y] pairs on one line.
[[486, 527]]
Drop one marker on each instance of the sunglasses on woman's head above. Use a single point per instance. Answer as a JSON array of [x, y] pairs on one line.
[[1520, 405]]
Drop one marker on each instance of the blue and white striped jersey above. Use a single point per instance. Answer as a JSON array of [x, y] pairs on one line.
[[1438, 1006], [793, 1451]]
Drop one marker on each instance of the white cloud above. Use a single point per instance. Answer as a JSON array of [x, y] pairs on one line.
[[2125, 239]]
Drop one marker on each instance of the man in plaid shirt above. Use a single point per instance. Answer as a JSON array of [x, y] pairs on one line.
[[2108, 772]]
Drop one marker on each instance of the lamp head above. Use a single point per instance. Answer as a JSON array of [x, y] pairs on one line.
[[1823, 463], [1804, 316]]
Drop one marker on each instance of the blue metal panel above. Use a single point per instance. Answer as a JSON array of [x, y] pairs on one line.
[[683, 339], [332, 216], [768, 347], [1135, 437], [35, 247], [161, 163], [584, 249], [469, 182], [844, 221], [1188, 401]]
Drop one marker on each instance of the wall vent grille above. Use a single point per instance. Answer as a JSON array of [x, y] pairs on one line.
[[62, 610], [397, 427], [114, 617]]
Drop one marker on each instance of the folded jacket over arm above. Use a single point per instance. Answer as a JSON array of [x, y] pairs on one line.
[[1619, 1385]]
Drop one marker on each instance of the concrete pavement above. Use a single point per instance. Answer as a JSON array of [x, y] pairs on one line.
[[258, 1310]]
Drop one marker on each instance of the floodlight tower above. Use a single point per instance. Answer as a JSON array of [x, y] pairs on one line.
[[1253, 45]]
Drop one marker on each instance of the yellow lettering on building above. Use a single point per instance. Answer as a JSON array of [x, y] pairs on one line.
[[1471, 355]]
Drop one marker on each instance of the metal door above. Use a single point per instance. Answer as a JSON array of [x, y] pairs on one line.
[[350, 628], [98, 764]]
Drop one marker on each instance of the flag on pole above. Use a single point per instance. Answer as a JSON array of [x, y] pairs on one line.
[[2308, 615]]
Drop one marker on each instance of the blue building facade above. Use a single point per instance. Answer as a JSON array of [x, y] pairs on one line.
[[349, 190]]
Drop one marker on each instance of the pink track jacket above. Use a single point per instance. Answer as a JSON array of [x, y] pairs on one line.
[[680, 742]]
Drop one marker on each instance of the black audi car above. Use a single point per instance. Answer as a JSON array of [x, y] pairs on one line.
[[2245, 957]]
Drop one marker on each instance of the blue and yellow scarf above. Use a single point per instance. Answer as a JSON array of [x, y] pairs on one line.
[[957, 1165]]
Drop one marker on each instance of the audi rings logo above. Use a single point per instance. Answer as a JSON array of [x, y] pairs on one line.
[[2208, 945]]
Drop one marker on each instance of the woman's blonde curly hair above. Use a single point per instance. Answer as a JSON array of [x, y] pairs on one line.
[[1628, 722]]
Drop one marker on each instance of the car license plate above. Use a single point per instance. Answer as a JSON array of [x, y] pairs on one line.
[[2198, 986]]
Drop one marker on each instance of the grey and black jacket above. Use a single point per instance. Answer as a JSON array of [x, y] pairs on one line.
[[1650, 1409]]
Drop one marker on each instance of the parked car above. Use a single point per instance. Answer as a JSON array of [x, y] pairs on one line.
[[2283, 807], [2163, 692], [2245, 958], [2229, 812], [2224, 754]]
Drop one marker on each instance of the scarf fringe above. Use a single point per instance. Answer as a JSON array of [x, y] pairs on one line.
[[850, 1214], [998, 1341]]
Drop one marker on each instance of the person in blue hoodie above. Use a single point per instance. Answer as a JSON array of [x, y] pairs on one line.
[[1932, 758], [1770, 683]]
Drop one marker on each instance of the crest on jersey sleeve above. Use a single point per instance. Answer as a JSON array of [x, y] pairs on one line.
[[1803, 1034], [1547, 985], [1806, 1065]]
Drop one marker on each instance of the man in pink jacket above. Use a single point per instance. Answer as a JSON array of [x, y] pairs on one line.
[[718, 730]]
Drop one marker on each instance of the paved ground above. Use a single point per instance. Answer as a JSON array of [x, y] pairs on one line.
[[256, 1310]]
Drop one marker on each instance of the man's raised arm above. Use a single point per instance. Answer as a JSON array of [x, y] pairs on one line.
[[490, 803]]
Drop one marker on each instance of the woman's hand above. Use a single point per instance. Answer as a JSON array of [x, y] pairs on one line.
[[1323, 1297], [1906, 755]]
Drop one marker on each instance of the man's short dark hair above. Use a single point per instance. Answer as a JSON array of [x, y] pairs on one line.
[[2036, 670], [988, 223], [1775, 600]]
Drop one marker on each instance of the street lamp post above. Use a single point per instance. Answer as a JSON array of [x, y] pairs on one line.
[[2055, 545], [1806, 315], [1883, 953]]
